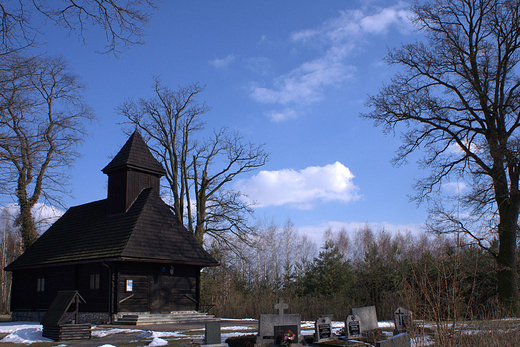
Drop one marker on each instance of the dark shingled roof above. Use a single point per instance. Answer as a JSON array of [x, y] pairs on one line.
[[148, 231], [135, 154]]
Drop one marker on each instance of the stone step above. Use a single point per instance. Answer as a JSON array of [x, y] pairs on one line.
[[146, 319]]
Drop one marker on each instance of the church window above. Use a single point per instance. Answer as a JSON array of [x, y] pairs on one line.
[[40, 285], [94, 281]]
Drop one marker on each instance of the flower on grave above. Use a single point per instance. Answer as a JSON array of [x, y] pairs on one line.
[[288, 338]]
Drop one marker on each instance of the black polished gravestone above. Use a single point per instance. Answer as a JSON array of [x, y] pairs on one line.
[[323, 329], [352, 327]]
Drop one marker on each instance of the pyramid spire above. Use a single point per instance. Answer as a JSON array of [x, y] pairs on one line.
[[135, 154]]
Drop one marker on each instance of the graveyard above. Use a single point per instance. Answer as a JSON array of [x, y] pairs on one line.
[[360, 327], [30, 333]]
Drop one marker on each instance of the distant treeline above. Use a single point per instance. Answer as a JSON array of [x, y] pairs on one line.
[[438, 278]]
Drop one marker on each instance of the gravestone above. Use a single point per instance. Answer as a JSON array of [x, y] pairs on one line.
[[402, 320], [273, 327], [323, 329], [367, 317], [212, 335], [352, 327]]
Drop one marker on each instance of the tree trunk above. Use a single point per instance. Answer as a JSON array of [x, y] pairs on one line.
[[201, 217], [27, 225], [200, 192], [507, 274]]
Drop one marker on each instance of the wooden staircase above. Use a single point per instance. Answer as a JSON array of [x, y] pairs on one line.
[[167, 318]]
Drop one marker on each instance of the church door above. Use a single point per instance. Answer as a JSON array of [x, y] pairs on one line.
[[160, 294]]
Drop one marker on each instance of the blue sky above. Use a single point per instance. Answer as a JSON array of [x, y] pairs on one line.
[[291, 74]]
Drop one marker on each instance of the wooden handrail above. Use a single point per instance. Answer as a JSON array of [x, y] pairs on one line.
[[128, 297]]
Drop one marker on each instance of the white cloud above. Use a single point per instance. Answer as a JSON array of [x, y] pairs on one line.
[[304, 85], [222, 63], [454, 187], [379, 23], [44, 215], [281, 116], [333, 182], [307, 83]]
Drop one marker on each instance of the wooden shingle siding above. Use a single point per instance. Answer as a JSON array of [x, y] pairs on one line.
[[75, 277], [24, 294], [97, 300], [137, 299]]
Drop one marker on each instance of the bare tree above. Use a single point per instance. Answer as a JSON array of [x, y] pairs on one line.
[[217, 162], [121, 20], [459, 97], [169, 120], [196, 168], [41, 123]]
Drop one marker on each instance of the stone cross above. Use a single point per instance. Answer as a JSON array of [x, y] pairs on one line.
[[280, 306]]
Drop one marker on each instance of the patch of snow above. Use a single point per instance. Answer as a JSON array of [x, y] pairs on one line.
[[307, 324], [307, 332], [157, 341], [107, 332], [107, 345], [337, 324], [26, 336], [10, 327], [386, 324], [149, 334], [237, 327], [507, 318]]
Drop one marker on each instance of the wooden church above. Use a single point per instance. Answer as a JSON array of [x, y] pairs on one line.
[[124, 254]]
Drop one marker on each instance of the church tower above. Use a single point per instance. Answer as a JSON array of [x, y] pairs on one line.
[[133, 169]]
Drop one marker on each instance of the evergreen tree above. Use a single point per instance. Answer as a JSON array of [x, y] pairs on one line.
[[329, 274]]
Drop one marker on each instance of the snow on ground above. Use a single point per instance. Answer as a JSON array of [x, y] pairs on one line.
[[386, 324], [10, 327], [31, 332], [149, 334], [26, 333], [107, 332]]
